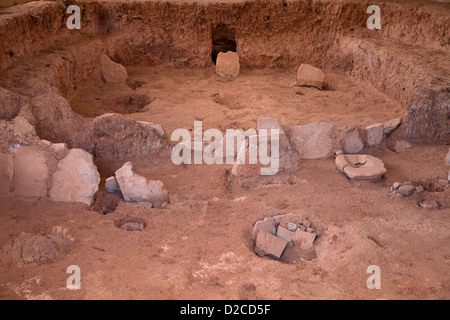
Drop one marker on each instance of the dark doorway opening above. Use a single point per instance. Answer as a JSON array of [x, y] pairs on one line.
[[223, 40]]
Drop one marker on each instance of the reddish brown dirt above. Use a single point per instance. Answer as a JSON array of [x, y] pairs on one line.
[[198, 247], [182, 96]]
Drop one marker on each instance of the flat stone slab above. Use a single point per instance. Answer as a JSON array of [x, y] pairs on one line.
[[308, 75], [360, 166], [266, 225], [140, 189], [269, 245], [227, 64], [285, 234], [304, 239]]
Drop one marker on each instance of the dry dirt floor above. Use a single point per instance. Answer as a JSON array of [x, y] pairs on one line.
[[198, 247]]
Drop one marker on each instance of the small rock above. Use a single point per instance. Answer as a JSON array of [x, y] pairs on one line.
[[443, 182], [227, 64], [402, 145], [132, 226], [429, 204], [269, 245], [406, 191], [302, 227], [111, 185], [419, 189], [407, 183], [60, 150], [157, 127], [395, 186], [310, 230], [308, 75], [291, 226]]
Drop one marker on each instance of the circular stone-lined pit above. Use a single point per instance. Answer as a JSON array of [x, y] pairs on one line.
[[288, 238]]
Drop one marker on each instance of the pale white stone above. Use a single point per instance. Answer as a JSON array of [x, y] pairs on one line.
[[76, 178]]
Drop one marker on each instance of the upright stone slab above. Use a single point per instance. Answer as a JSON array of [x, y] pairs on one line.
[[289, 160], [31, 173], [375, 134], [269, 245], [111, 71], [76, 178], [24, 132], [308, 75], [391, 125], [447, 158], [313, 140], [111, 185], [227, 64], [352, 142]]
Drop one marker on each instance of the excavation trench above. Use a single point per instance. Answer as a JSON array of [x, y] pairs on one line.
[[169, 50]]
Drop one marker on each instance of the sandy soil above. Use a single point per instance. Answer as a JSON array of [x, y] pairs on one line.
[[182, 96]]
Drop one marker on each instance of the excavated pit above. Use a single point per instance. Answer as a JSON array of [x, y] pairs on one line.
[[170, 48], [52, 77]]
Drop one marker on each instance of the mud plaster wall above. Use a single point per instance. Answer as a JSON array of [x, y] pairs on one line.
[[328, 34]]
